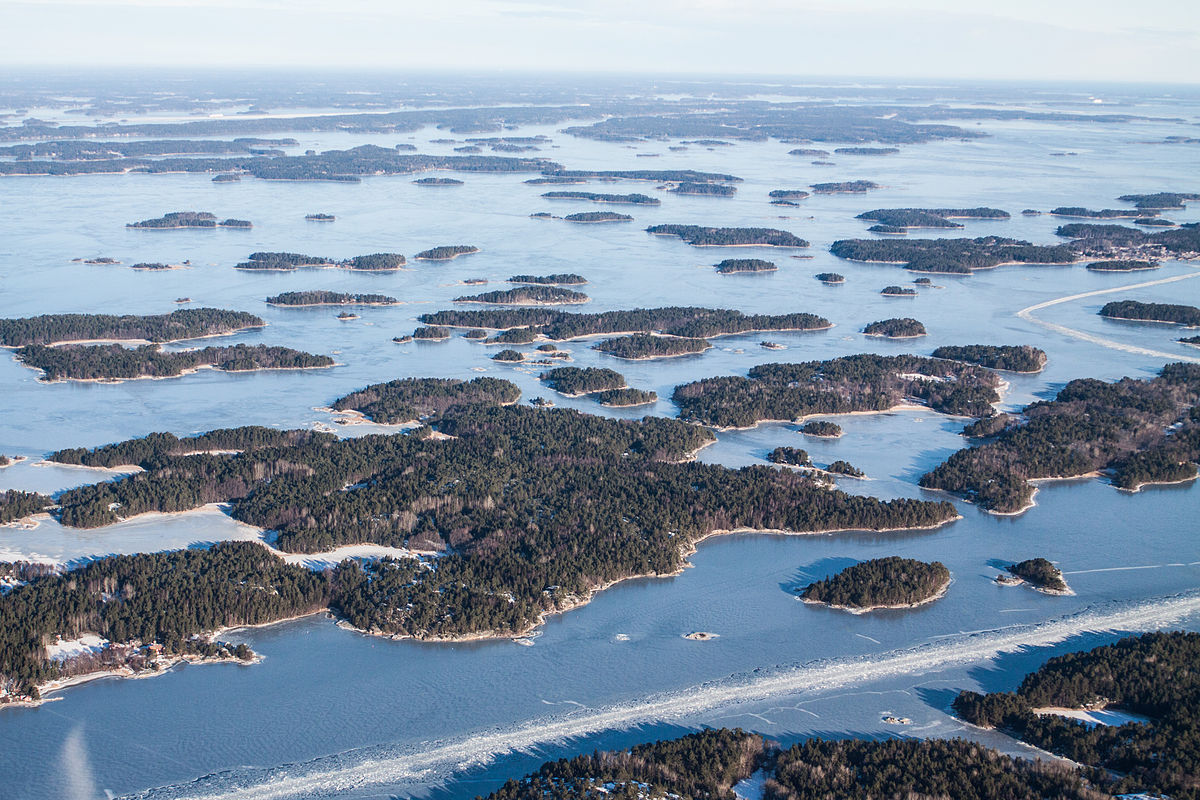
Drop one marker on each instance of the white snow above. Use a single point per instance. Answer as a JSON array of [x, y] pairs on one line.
[[88, 643], [1093, 716], [331, 558]]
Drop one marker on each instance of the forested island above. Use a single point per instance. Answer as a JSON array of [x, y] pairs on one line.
[[84, 150], [532, 295], [288, 262], [840, 467], [843, 187], [1192, 340], [629, 199], [704, 189], [320, 217], [733, 266], [1104, 213], [1144, 431], [321, 297], [1011, 358], [509, 356], [598, 216], [1121, 265], [188, 323], [830, 277], [954, 256], [896, 328], [1118, 242], [841, 385], [112, 362], [787, 194], [1173, 313], [16, 504], [891, 582], [789, 456], [438, 182], [929, 217], [578, 381], [556, 279], [446, 252], [656, 175], [1040, 574], [433, 333], [188, 219], [707, 765], [624, 398], [1153, 675], [866, 151], [689, 321], [423, 399], [698, 236], [898, 291], [640, 346], [822, 428], [1160, 201]]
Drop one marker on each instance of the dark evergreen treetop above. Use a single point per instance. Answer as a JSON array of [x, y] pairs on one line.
[[880, 582], [188, 323]]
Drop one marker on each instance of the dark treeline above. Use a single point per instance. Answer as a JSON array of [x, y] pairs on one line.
[[76, 150], [895, 328], [1090, 425], [150, 597], [1103, 213], [188, 219], [704, 189], [510, 356], [821, 427], [188, 323], [657, 175], [791, 456], [1013, 358], [930, 217], [1124, 243], [558, 278], [643, 345], [699, 323], [1153, 675], [286, 262], [866, 151], [412, 399], [1159, 200], [844, 187], [575, 381], [540, 295], [431, 332], [898, 291], [438, 182], [830, 277], [890, 581], [956, 256], [1152, 312], [510, 336], [598, 216], [156, 448], [16, 504], [731, 266], [622, 398], [1041, 573], [787, 194], [727, 237], [446, 252], [630, 199], [518, 499], [840, 467], [322, 297], [114, 362], [851, 383], [1121, 265]]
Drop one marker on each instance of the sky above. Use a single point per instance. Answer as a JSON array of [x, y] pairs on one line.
[[1053, 40]]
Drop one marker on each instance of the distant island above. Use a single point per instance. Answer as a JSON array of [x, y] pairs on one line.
[[154, 266], [438, 182], [446, 252], [320, 297], [288, 262], [898, 291], [952, 256], [423, 399], [845, 468], [1104, 213], [866, 151], [557, 279], [1040, 574], [704, 189], [188, 219], [227, 178], [1089, 426], [1175, 314], [630, 199], [855, 187], [830, 277], [891, 582], [190, 323], [808, 151], [624, 398], [822, 428], [553, 180], [1120, 242], [787, 194], [533, 295], [641, 346], [656, 175], [1160, 201], [579, 381], [598, 216], [1124, 265], [1011, 358], [112, 362], [929, 217], [320, 217], [432, 333], [510, 356], [512, 336], [895, 328], [1192, 340], [698, 236], [732, 266]]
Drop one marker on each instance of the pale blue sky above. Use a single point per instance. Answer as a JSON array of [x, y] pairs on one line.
[[1022, 39]]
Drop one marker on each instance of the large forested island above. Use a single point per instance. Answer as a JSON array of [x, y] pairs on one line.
[[699, 323], [656, 175], [540, 295], [321, 297], [1120, 242], [597, 217], [955, 256], [1152, 312], [841, 187], [734, 266], [628, 199], [446, 252], [698, 236], [707, 765], [113, 362], [556, 279], [930, 217], [625, 398], [645, 346], [837, 386], [1011, 358], [188, 219], [1153, 675], [704, 189], [578, 381], [287, 262], [1145, 431], [895, 328], [1122, 265], [891, 582], [188, 323], [412, 399]]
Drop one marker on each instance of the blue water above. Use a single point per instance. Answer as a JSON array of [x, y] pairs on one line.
[[331, 711]]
